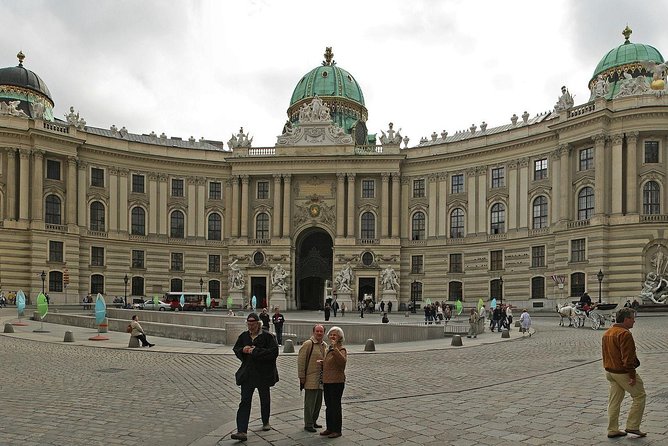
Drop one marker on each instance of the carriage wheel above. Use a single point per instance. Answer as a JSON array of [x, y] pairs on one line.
[[595, 323]]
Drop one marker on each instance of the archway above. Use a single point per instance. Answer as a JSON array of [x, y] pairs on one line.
[[313, 265]]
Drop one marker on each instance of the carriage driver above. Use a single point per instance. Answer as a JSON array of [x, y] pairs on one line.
[[585, 303]]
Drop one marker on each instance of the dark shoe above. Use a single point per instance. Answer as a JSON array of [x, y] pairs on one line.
[[317, 426], [636, 432], [266, 427], [326, 432], [617, 434], [310, 429], [150, 345], [334, 435], [241, 436]]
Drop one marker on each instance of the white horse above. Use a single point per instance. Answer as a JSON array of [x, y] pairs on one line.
[[569, 312]]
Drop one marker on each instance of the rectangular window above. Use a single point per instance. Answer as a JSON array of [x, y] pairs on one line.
[[578, 253], [177, 261], [53, 169], [138, 183], [177, 187], [456, 265], [97, 256], [540, 169], [418, 188], [417, 264], [496, 260], [651, 152], [538, 256], [457, 184], [214, 263], [262, 190], [587, 158], [96, 177], [368, 189], [215, 190], [498, 177], [55, 251], [137, 259], [538, 288]]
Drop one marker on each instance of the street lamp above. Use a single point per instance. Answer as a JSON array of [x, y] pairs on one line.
[[43, 276], [414, 296], [599, 275], [201, 285], [501, 289], [125, 295]]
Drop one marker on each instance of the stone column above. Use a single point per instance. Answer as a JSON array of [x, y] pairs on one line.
[[244, 205], [123, 219], [202, 223], [350, 230], [153, 203], [113, 199], [340, 200], [235, 206], [482, 199], [443, 205], [616, 174], [287, 205], [385, 204], [432, 197], [71, 191], [191, 209], [599, 174], [471, 201], [513, 188], [565, 211], [11, 184], [632, 172], [227, 197], [554, 174], [405, 191], [523, 193], [37, 185], [163, 193], [82, 187], [24, 184], [276, 215], [396, 198]]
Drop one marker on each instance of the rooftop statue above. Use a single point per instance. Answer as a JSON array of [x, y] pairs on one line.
[[75, 120], [565, 101], [602, 87], [392, 137], [240, 140]]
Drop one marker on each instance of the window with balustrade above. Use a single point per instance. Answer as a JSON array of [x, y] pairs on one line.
[[651, 198], [418, 227], [215, 226], [97, 217], [368, 226], [457, 223], [138, 221], [540, 212], [262, 226], [52, 210], [585, 203], [177, 225], [498, 219]]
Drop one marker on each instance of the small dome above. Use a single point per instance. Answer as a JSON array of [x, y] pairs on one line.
[[23, 85], [19, 76]]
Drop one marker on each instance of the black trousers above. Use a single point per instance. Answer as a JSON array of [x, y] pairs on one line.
[[279, 333], [333, 393], [243, 414], [142, 338]]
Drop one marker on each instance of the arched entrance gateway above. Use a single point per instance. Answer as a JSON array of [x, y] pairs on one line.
[[313, 266]]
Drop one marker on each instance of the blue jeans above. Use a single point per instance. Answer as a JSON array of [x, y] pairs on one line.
[[243, 414]]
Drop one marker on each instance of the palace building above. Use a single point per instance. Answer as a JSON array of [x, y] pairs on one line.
[[529, 212]]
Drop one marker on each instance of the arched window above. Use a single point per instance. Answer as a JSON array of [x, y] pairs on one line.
[[538, 288], [176, 285], [455, 291], [577, 284], [214, 289], [96, 216], [418, 230], [262, 226], [177, 225], [138, 221], [457, 223], [368, 226], [651, 198], [540, 212], [52, 212], [496, 289], [498, 219], [55, 281], [137, 288], [96, 284], [215, 226], [585, 203]]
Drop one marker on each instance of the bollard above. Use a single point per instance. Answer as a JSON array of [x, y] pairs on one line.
[[505, 334], [370, 346], [134, 342], [517, 324], [407, 314], [69, 337], [9, 328], [456, 341], [288, 346]]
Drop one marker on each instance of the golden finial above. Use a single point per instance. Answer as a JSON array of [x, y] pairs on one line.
[[329, 55], [20, 56], [627, 33]]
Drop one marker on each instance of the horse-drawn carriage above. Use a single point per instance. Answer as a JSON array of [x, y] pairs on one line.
[[600, 314], [578, 316]]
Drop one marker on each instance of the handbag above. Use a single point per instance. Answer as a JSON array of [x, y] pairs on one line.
[[308, 359], [128, 329]]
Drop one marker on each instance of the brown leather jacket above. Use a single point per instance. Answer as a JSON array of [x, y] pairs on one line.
[[619, 351]]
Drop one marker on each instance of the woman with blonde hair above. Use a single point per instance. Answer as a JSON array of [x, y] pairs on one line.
[[334, 379]]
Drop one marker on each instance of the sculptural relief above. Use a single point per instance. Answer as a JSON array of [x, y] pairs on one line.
[[12, 109], [237, 278], [344, 279], [278, 278]]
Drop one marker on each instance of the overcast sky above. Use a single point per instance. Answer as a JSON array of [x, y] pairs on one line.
[[205, 68]]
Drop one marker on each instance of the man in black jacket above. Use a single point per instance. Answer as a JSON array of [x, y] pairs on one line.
[[257, 349]]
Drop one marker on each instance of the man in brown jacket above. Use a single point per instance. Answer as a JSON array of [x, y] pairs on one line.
[[308, 369], [620, 363]]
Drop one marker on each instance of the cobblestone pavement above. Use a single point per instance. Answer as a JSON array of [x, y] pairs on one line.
[[547, 389]]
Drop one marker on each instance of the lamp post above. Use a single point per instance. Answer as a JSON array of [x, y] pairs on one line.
[[414, 296], [125, 294], [43, 276], [600, 276], [201, 285], [501, 289]]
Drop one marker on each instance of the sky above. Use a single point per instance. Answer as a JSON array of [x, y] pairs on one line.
[[206, 68]]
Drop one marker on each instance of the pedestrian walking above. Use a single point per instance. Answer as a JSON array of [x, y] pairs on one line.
[[482, 315], [620, 363], [509, 317], [277, 319], [328, 311], [343, 309], [525, 322], [334, 379], [361, 308], [473, 324], [309, 370], [257, 350], [264, 317], [335, 307], [138, 332], [389, 307]]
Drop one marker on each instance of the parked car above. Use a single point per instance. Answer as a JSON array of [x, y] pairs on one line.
[[161, 306]]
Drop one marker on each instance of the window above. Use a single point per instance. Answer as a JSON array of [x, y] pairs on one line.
[[96, 216], [176, 285], [498, 219], [137, 287], [177, 225], [97, 256], [177, 261], [651, 152], [455, 291], [587, 158], [368, 226], [53, 169], [138, 221], [456, 263], [538, 256], [578, 253], [457, 223], [52, 214], [498, 177], [540, 212], [577, 284], [55, 251], [262, 190], [215, 190], [540, 169], [96, 177], [262, 226], [418, 188], [215, 226], [177, 187], [137, 259], [538, 288], [368, 189], [97, 284], [416, 292], [258, 258], [367, 259], [457, 184], [651, 198], [496, 260], [496, 289], [138, 183], [418, 230], [417, 265], [55, 281], [585, 203], [214, 289], [214, 263]]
